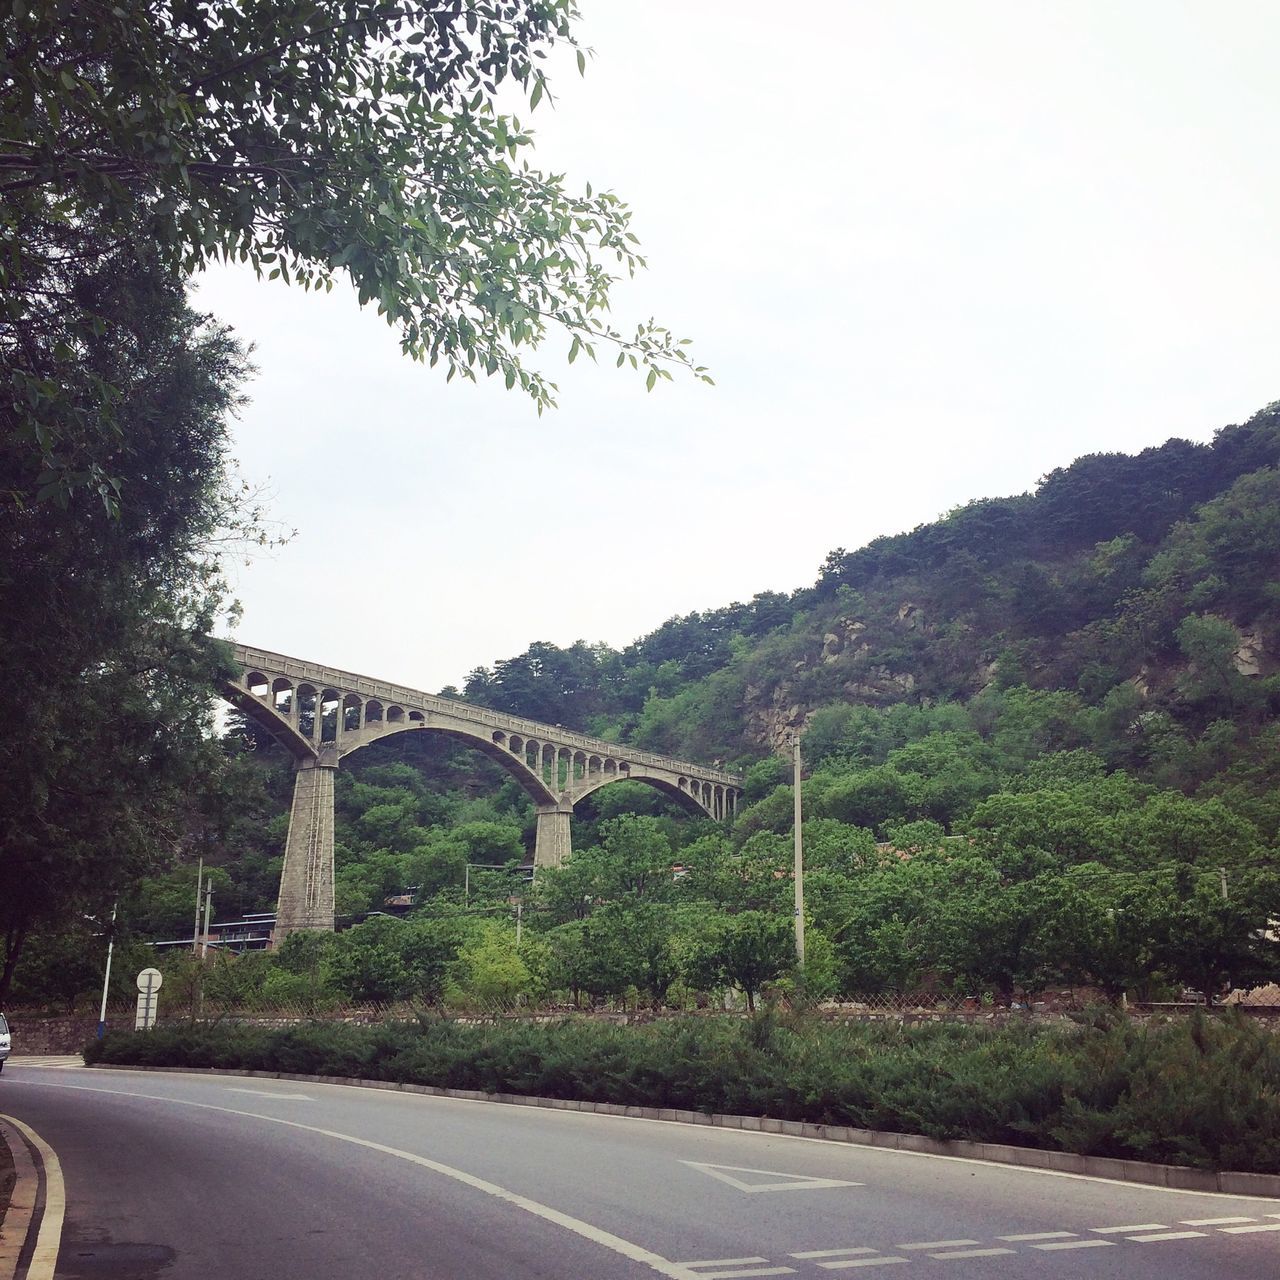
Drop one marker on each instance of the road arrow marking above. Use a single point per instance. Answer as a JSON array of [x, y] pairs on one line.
[[778, 1181], [266, 1093]]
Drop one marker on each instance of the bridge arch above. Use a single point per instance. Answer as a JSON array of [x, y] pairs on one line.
[[674, 791]]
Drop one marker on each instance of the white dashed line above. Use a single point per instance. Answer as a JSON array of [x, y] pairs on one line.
[[1029, 1236], [1075, 1244], [1261, 1226], [831, 1253], [749, 1271], [972, 1253], [1124, 1231], [846, 1263], [1213, 1222], [722, 1262], [1169, 1235], [938, 1244]]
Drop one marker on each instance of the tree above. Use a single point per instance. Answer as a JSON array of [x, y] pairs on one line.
[[744, 950], [108, 742], [310, 140]]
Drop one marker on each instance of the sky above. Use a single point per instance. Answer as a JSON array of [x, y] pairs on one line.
[[929, 251]]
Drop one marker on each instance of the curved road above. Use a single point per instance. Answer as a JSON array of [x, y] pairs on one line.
[[172, 1176]]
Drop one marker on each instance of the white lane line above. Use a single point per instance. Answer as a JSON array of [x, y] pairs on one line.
[[938, 1244], [972, 1253], [722, 1262], [1168, 1235], [830, 1253], [596, 1235], [1124, 1231], [846, 1263], [280, 1097], [44, 1258], [1028, 1236], [1075, 1244], [1213, 1222], [750, 1271], [1261, 1226]]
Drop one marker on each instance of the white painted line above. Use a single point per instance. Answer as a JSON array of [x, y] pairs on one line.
[[722, 1262], [1075, 1244], [1213, 1222], [750, 1271], [606, 1239], [789, 1181], [972, 1253], [266, 1093], [1027, 1237], [1169, 1235], [1261, 1226], [830, 1253], [846, 1263], [44, 1258], [1124, 1231], [938, 1244]]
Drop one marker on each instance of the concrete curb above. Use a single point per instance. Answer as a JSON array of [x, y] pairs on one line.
[[17, 1218], [1179, 1177]]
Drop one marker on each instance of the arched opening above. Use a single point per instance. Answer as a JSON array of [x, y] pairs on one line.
[[350, 713], [307, 700], [416, 717], [282, 696], [500, 738], [373, 711], [395, 715], [330, 700], [257, 684]]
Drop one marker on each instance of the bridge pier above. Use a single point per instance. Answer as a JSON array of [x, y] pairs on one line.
[[306, 880], [553, 843]]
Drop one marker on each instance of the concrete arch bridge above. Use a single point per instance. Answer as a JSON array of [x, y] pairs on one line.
[[322, 715]]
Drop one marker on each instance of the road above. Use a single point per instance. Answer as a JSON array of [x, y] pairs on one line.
[[173, 1176]]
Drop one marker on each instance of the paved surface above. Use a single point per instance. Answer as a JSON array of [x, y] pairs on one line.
[[187, 1176]]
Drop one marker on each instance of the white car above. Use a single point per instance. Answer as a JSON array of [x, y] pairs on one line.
[[4, 1041]]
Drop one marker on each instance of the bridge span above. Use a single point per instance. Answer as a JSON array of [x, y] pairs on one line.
[[322, 715]]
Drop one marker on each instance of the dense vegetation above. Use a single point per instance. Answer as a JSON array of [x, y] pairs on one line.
[[1196, 1092], [1042, 750]]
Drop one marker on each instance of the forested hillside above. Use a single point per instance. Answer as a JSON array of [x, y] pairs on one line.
[[1042, 746]]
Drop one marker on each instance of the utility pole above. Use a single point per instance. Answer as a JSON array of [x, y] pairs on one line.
[[195, 928], [799, 860], [106, 979], [208, 911]]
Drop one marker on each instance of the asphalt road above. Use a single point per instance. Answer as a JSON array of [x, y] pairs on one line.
[[177, 1176]]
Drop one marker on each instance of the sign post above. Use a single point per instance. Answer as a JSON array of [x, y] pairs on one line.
[[149, 982]]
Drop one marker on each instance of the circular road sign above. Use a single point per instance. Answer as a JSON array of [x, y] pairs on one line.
[[149, 980]]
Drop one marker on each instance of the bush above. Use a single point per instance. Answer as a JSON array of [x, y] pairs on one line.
[[1201, 1092]]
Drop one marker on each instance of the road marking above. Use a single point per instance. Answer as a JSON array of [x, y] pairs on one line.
[[1075, 1244], [596, 1235], [721, 1262], [1169, 1235], [16, 1220], [831, 1253], [1028, 1236], [63, 1061], [44, 1258], [938, 1244], [972, 1253], [1124, 1231], [788, 1181], [846, 1263], [1213, 1222], [266, 1093], [750, 1271], [1261, 1226]]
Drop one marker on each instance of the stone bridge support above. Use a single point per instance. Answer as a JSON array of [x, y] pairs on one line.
[[553, 844], [306, 880]]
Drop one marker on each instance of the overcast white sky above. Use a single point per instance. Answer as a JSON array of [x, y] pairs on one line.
[[930, 250]]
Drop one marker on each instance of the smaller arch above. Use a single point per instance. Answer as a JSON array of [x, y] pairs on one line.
[[395, 715], [257, 684], [610, 768], [373, 711], [579, 764], [417, 717], [500, 738], [593, 766], [515, 744], [683, 784], [532, 748], [350, 713], [282, 696], [330, 701], [308, 703]]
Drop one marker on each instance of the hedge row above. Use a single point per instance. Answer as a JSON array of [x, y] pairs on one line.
[[1202, 1091]]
